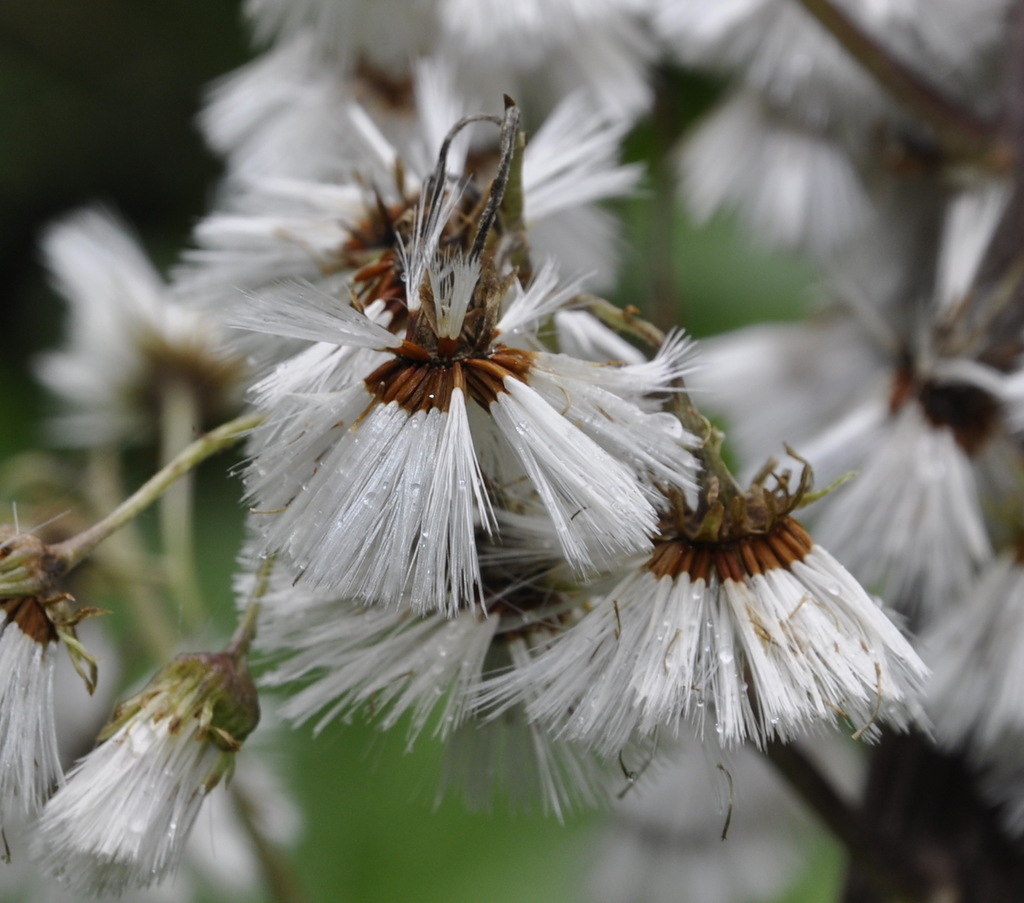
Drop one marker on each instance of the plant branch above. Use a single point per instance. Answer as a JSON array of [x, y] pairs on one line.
[[885, 864], [71, 552], [961, 134]]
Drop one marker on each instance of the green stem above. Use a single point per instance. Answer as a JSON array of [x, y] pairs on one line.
[[961, 133], [72, 552], [245, 632], [178, 419]]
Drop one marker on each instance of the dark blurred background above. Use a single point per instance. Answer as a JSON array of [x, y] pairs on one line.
[[98, 103]]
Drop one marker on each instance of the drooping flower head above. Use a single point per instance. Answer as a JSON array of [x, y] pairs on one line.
[[29, 764], [35, 622], [123, 816]]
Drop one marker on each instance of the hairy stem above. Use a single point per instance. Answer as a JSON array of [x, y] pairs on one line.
[[71, 552]]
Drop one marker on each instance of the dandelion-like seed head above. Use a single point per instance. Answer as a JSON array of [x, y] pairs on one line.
[[374, 470]]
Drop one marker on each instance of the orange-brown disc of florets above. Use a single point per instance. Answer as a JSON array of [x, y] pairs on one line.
[[381, 281], [485, 376], [734, 559], [416, 384], [417, 381]]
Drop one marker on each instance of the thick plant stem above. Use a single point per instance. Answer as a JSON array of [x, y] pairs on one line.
[[924, 802], [887, 867], [960, 133]]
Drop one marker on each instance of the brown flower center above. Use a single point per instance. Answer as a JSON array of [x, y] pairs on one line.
[[417, 381], [970, 413], [737, 559], [30, 617]]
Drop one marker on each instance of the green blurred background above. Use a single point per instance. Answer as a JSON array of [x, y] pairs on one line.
[[97, 103]]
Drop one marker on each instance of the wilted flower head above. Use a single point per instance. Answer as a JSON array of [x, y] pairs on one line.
[[123, 816]]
